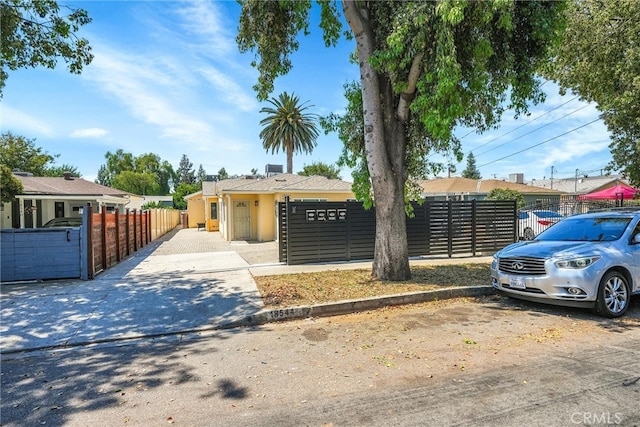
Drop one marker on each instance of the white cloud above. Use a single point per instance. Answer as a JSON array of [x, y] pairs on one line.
[[204, 21], [19, 122], [230, 91], [89, 133]]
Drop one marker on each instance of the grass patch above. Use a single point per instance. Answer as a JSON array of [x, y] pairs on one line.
[[316, 288]]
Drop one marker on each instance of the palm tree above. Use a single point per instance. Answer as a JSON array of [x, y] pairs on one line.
[[289, 127]]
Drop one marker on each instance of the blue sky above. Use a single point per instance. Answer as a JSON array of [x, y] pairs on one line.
[[168, 78]]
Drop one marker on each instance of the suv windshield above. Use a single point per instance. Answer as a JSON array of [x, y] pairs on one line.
[[603, 229]]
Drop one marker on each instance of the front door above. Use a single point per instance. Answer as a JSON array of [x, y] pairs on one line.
[[241, 220]]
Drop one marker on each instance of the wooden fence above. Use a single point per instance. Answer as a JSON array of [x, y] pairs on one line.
[[104, 240]]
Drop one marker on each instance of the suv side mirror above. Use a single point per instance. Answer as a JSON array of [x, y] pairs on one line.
[[635, 239]]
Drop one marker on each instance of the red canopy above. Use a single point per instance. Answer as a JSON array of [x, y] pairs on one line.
[[617, 192]]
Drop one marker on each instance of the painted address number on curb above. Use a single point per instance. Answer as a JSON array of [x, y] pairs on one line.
[[282, 314]]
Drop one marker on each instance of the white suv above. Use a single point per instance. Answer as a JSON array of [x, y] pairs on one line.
[[590, 260]]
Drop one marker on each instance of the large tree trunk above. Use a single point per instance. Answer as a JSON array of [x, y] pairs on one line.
[[385, 144]]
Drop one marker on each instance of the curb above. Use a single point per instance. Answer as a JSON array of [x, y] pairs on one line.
[[354, 306], [291, 313]]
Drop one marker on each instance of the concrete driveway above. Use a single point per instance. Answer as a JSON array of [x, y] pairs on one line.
[[187, 280]]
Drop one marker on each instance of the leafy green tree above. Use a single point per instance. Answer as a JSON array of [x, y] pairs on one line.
[[143, 183], [9, 184], [161, 169], [184, 189], [155, 205], [144, 165], [21, 154], [506, 194], [185, 172], [201, 175], [471, 170], [288, 127], [61, 170], [35, 33], [599, 59], [222, 174], [426, 67], [321, 169], [116, 163]]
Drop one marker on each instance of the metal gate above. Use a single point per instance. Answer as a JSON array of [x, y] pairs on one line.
[[344, 231]]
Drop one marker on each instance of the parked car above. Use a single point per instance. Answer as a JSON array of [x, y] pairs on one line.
[[532, 223], [64, 222], [590, 260]]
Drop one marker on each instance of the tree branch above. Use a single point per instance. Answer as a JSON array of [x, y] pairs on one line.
[[407, 96]]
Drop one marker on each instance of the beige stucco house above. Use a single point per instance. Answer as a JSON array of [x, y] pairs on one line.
[[246, 208], [457, 188]]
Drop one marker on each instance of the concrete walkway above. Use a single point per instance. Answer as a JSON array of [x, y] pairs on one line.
[[186, 281]]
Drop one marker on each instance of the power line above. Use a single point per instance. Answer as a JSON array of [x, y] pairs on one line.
[[540, 143], [534, 130], [522, 125], [619, 27]]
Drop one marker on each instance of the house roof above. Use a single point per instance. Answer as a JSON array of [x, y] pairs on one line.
[[459, 185], [277, 184], [581, 185], [44, 185]]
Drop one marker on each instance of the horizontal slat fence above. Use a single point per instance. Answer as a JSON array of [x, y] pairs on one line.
[[345, 231], [40, 254]]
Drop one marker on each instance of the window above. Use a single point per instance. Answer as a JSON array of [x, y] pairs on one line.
[[214, 210]]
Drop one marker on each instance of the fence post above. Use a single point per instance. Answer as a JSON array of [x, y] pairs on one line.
[[86, 251], [135, 234], [103, 214], [450, 228], [117, 218], [474, 227], [127, 233]]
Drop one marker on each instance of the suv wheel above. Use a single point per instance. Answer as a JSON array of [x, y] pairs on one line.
[[613, 295]]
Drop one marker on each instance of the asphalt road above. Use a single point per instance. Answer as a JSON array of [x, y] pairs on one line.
[[490, 361]]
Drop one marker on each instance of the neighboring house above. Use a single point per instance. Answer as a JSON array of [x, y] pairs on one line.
[[165, 202], [45, 198], [458, 188], [246, 208], [580, 184]]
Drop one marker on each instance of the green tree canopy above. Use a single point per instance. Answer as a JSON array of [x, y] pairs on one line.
[[321, 169], [201, 174], [143, 183], [20, 154], [9, 184], [288, 127], [222, 174], [599, 60], [471, 171], [506, 194], [185, 172], [35, 33], [425, 68], [145, 166], [184, 189], [61, 170]]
